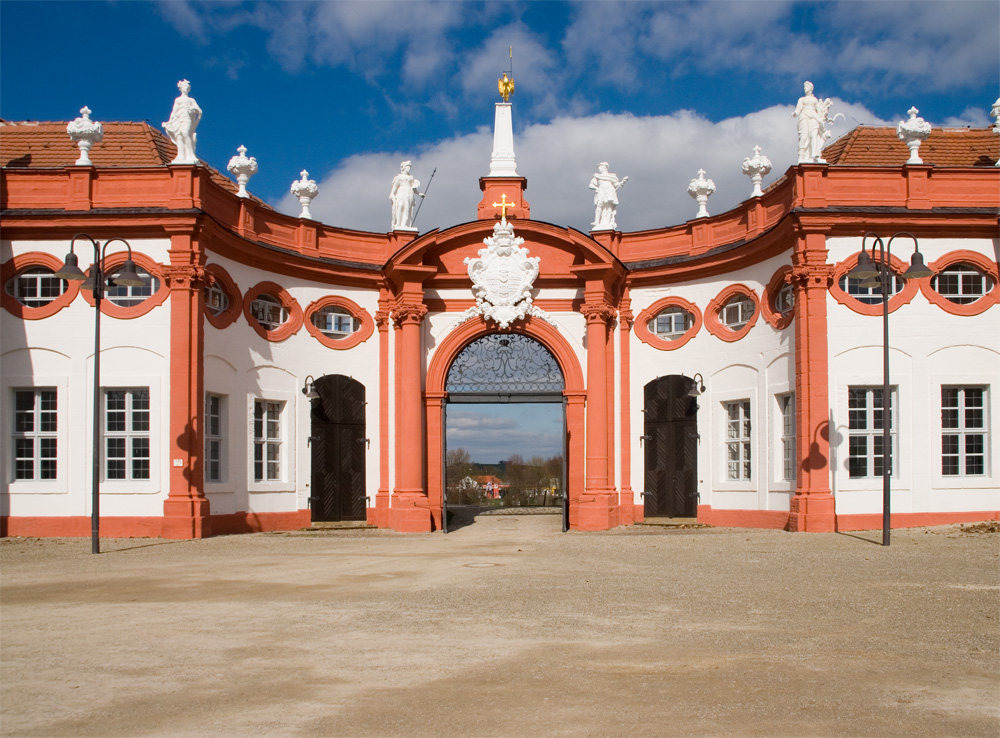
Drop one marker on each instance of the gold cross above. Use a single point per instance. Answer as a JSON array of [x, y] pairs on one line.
[[504, 205]]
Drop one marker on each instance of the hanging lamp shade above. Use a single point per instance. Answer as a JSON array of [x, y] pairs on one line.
[[128, 276], [865, 269], [90, 283], [71, 269], [917, 269]]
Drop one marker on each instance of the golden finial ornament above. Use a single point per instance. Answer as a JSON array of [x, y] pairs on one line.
[[506, 86]]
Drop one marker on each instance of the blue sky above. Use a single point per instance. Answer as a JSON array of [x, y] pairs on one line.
[[347, 90]]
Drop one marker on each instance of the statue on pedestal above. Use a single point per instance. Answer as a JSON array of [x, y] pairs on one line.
[[814, 121], [605, 185], [184, 119], [403, 195]]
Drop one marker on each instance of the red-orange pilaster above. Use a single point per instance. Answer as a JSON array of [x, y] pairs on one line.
[[379, 515], [186, 509], [626, 508], [410, 510], [598, 505], [812, 506]]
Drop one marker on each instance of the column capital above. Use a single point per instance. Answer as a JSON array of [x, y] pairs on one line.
[[409, 313], [814, 275], [186, 276], [598, 313]]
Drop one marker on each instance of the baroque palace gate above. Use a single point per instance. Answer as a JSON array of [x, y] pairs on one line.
[[504, 368]]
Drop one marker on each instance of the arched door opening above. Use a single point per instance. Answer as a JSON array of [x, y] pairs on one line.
[[487, 377], [670, 436], [338, 445]]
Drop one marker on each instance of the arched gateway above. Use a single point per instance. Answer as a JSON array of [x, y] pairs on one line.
[[508, 368], [532, 363]]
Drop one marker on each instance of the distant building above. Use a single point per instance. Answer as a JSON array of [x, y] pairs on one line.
[[206, 429]]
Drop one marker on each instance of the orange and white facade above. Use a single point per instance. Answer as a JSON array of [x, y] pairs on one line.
[[208, 431]]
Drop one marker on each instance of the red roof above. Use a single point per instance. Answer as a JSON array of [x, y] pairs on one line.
[[945, 147], [29, 145]]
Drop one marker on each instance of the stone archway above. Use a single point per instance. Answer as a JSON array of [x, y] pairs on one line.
[[436, 395]]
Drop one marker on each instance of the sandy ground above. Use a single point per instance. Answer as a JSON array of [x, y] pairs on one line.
[[505, 627]]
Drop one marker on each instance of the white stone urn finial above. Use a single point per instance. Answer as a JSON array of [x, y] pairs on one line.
[[306, 190], [700, 189], [996, 114], [913, 132], [85, 133], [243, 168], [755, 167]]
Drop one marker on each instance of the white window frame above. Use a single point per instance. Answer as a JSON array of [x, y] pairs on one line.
[[216, 434], [963, 431], [37, 435], [42, 277], [784, 300], [290, 453], [869, 295], [965, 275], [738, 437], [872, 432], [674, 312], [337, 313], [786, 461], [65, 458], [264, 304], [130, 434], [216, 299], [737, 311]]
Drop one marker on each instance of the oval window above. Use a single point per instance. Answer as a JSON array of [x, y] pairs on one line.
[[961, 283], [36, 286], [335, 322], [268, 311], [671, 323]]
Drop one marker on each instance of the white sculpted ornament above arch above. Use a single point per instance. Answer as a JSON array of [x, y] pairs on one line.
[[502, 277]]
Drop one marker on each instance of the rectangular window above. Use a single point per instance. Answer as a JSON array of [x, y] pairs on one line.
[[35, 425], [267, 440], [963, 431], [786, 403], [865, 414], [213, 437], [738, 440], [126, 433]]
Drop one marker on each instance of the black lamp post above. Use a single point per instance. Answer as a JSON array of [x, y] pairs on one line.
[[127, 277], [880, 274]]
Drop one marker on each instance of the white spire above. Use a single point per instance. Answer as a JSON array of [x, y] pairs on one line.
[[503, 162]]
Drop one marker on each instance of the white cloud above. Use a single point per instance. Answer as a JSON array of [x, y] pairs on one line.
[[660, 154]]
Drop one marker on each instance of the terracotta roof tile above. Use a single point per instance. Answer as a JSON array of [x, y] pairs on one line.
[[47, 145], [945, 147]]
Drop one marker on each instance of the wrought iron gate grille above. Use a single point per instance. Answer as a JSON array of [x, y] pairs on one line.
[[505, 362]]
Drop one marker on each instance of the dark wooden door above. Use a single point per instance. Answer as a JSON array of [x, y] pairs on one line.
[[670, 437], [338, 449]]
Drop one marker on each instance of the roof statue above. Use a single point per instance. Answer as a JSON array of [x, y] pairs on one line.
[[403, 194], [242, 167], [755, 168], [605, 185], [502, 277], [701, 189], [814, 125], [913, 132], [184, 119], [306, 190], [85, 133]]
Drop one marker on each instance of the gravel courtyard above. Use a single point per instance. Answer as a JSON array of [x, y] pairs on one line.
[[505, 627]]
